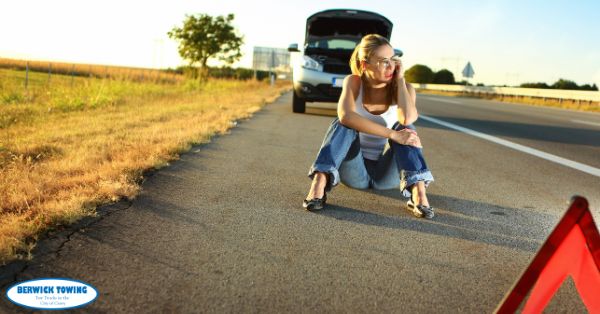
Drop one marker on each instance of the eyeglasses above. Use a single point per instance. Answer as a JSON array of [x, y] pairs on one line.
[[383, 64]]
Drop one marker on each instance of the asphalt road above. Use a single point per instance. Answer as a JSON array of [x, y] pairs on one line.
[[222, 229]]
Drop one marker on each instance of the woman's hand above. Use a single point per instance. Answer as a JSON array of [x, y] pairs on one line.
[[406, 137], [399, 68]]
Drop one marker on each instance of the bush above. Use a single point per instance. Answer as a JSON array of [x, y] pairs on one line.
[[419, 73], [443, 76], [534, 85], [237, 73], [565, 84], [588, 87], [223, 72], [561, 84]]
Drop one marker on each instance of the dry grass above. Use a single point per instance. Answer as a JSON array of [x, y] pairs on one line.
[[59, 160], [91, 70], [535, 101]]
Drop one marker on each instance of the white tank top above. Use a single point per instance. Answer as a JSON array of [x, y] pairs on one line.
[[372, 145]]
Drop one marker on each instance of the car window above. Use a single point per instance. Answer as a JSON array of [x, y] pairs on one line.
[[332, 43], [341, 44]]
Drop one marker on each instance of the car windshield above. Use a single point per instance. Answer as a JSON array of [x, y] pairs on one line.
[[333, 43]]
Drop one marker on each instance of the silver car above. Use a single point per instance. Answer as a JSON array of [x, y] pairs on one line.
[[331, 36]]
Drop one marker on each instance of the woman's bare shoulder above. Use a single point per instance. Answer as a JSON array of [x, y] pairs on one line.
[[352, 82]]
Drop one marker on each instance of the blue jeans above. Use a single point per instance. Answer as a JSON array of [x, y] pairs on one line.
[[341, 158]]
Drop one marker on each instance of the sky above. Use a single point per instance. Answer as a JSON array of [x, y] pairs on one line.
[[506, 41]]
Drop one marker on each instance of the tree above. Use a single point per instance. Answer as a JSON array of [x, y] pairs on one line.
[[565, 84], [588, 87], [419, 73], [203, 37], [443, 76], [561, 84], [535, 85]]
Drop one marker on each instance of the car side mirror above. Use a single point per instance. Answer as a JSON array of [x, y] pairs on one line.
[[293, 48], [398, 52]]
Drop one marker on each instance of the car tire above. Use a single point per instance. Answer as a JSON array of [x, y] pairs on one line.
[[298, 104]]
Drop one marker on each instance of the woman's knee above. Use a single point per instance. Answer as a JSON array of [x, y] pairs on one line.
[[386, 186], [400, 127], [337, 124]]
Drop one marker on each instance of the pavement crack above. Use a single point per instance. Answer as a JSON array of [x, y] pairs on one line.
[[101, 215], [11, 272]]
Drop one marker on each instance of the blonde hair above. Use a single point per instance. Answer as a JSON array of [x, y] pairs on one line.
[[362, 52]]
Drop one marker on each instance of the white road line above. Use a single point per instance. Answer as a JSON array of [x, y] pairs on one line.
[[586, 122], [559, 160]]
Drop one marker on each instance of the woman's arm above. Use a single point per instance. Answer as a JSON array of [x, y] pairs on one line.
[[348, 117], [407, 98], [346, 110]]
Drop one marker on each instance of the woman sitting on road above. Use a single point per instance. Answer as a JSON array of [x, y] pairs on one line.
[[376, 107]]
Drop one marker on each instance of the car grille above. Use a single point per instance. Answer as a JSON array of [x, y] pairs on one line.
[[337, 68], [327, 89]]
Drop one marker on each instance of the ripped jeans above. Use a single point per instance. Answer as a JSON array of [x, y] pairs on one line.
[[341, 158]]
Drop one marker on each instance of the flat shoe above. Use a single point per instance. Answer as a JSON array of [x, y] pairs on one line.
[[413, 209], [315, 203], [427, 211], [420, 210]]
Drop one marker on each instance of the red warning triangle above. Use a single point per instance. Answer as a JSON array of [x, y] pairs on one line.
[[572, 249]]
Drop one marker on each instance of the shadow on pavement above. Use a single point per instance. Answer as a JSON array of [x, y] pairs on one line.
[[458, 218]]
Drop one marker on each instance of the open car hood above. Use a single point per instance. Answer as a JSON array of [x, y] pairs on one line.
[[346, 23]]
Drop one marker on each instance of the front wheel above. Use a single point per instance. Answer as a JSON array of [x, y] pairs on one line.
[[298, 104]]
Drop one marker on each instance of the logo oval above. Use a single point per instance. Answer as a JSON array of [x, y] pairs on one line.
[[52, 293]]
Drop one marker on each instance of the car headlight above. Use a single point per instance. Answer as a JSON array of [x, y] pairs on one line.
[[311, 64]]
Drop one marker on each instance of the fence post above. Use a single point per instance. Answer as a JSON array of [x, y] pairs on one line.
[[26, 74], [49, 72]]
